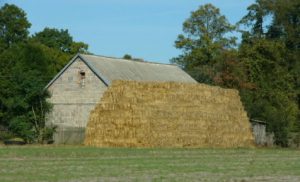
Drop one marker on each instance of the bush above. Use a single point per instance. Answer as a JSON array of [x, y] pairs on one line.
[[4, 135], [48, 134], [22, 128]]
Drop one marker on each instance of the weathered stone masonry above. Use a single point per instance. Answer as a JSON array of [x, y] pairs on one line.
[[73, 96]]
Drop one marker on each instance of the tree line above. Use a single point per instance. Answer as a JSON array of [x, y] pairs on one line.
[[263, 65], [27, 64]]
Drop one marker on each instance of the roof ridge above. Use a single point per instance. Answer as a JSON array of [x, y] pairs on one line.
[[145, 61]]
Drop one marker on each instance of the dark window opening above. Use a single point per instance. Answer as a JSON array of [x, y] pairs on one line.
[[82, 78], [82, 74]]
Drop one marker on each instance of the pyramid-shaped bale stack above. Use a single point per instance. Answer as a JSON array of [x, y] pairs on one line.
[[153, 114]]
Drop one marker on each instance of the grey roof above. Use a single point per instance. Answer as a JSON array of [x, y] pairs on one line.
[[108, 69]]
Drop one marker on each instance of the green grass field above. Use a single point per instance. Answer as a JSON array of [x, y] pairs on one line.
[[82, 164]]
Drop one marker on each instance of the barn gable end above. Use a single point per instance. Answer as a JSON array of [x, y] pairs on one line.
[[73, 96]]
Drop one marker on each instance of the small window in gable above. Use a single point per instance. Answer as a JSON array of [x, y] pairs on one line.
[[82, 78], [82, 74]]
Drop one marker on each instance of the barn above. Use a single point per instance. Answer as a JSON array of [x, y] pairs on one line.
[[79, 86]]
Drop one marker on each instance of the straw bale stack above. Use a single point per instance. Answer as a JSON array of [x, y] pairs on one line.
[[169, 114]]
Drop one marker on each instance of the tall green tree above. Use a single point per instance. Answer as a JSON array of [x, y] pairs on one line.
[[255, 18], [285, 22], [203, 43], [13, 25], [27, 64], [23, 99], [272, 99], [269, 54]]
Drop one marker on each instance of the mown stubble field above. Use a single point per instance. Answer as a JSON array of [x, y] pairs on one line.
[[87, 164]]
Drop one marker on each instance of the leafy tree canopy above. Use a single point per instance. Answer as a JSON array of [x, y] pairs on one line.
[[61, 40], [127, 56], [26, 66], [204, 42], [22, 90], [13, 25]]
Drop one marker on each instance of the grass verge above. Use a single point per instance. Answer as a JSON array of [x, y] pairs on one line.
[[87, 164]]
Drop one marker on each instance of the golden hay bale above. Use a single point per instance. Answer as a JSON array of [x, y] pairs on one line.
[[157, 114]]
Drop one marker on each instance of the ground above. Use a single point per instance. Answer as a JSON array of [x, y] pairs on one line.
[[86, 164]]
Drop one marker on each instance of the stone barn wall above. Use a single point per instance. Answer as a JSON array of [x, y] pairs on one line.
[[73, 96]]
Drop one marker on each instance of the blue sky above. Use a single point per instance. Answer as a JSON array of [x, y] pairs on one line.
[[143, 28]]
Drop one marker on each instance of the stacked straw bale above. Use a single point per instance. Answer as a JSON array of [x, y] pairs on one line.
[[169, 114]]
